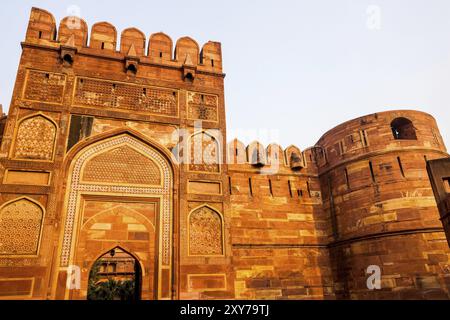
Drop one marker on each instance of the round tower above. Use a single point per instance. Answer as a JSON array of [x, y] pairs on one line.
[[382, 212]]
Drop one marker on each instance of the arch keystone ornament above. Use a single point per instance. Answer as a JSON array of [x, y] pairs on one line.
[[78, 187]]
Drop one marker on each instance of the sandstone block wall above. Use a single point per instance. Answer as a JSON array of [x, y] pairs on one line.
[[439, 172], [381, 205], [103, 148]]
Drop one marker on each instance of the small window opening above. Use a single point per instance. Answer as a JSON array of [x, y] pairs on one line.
[[132, 68], [372, 174], [230, 185], [103, 45], [160, 54], [401, 167], [347, 180], [68, 58], [212, 62], [190, 77], [290, 188], [40, 34], [250, 187], [270, 187], [144, 91], [364, 135], [403, 129], [300, 193], [341, 147]]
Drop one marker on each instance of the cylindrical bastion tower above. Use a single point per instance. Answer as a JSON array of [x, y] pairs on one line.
[[381, 207]]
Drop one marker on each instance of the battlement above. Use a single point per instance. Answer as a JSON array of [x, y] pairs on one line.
[[103, 40], [256, 155]]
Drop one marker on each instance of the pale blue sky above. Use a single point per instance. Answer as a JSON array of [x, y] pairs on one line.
[[294, 68]]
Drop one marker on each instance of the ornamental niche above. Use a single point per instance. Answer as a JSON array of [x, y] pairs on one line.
[[35, 139], [205, 233], [20, 228]]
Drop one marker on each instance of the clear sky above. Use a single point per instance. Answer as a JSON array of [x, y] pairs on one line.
[[295, 69]]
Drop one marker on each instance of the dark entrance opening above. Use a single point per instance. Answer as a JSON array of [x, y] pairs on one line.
[[116, 275], [403, 129]]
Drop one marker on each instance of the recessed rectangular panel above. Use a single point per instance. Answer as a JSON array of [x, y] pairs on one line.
[[16, 288], [27, 178], [44, 87], [206, 282], [205, 187]]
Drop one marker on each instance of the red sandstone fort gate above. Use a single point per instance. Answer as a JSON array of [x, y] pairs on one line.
[[119, 193], [86, 171]]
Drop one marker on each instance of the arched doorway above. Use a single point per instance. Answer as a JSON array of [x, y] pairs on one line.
[[120, 194], [116, 275]]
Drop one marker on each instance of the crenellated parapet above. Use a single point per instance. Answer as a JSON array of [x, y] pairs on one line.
[[73, 32], [256, 155]]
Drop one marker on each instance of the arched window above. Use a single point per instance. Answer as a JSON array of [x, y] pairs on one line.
[[403, 129]]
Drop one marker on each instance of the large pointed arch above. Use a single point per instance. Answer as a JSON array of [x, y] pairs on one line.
[[76, 188]]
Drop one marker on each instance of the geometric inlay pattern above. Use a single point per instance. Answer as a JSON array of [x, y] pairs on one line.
[[108, 94], [122, 165], [35, 139], [20, 228], [202, 107], [78, 187], [205, 233]]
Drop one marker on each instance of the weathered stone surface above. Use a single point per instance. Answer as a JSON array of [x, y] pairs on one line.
[[104, 151]]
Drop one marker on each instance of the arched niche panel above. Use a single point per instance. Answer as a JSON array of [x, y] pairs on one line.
[[20, 227], [204, 153], [35, 139], [205, 232]]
